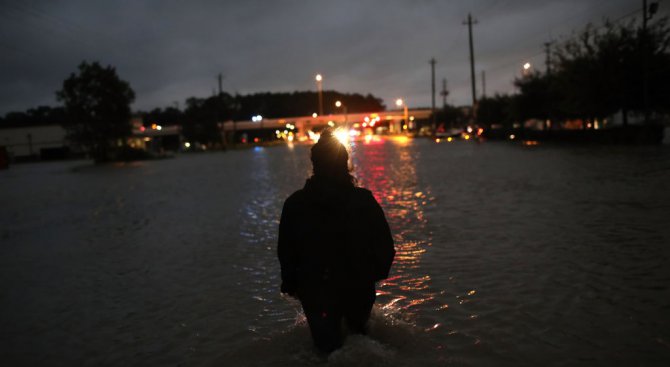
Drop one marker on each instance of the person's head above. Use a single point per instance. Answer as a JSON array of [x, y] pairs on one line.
[[330, 160]]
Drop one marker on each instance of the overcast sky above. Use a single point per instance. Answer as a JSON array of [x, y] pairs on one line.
[[171, 50]]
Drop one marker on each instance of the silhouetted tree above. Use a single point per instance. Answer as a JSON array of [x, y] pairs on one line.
[[302, 104], [41, 115], [601, 70], [538, 99], [496, 110], [166, 116], [97, 103], [451, 116], [202, 117]]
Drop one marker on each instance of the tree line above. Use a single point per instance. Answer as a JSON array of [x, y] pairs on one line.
[[96, 110], [613, 68], [199, 119]]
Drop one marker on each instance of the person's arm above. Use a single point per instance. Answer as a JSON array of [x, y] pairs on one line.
[[286, 251], [383, 249]]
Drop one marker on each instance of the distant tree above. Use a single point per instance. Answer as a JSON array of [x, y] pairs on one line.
[[166, 116], [41, 115], [496, 110], [97, 103], [202, 117], [601, 71], [451, 116], [538, 99], [302, 104]]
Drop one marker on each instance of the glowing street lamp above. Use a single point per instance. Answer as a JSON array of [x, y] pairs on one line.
[[319, 87], [339, 104], [400, 103], [258, 118], [526, 69]]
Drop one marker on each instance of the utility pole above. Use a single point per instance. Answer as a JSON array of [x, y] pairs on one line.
[[547, 60], [469, 23], [444, 93], [483, 84], [432, 94], [220, 77], [647, 13]]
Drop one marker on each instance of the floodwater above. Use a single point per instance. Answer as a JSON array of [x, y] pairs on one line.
[[508, 255]]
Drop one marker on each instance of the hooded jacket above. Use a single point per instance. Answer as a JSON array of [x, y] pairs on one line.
[[332, 235]]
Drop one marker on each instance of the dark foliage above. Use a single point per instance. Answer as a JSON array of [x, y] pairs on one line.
[[97, 104], [42, 115]]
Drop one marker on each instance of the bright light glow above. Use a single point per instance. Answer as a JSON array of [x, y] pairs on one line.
[[399, 102], [372, 123], [365, 124], [354, 133], [315, 115], [403, 139], [331, 124], [338, 104], [469, 129], [187, 145], [438, 140], [404, 127], [411, 118], [313, 136], [159, 127], [466, 137], [319, 77], [257, 118], [147, 139], [290, 138], [480, 131], [367, 119], [342, 136], [511, 137], [449, 139], [368, 138], [526, 66], [153, 126], [142, 128]]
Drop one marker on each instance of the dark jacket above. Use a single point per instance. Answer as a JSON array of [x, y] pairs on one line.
[[331, 235]]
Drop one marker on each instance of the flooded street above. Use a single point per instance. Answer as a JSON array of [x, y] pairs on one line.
[[507, 255]]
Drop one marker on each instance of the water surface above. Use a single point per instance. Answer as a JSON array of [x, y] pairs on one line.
[[508, 255]]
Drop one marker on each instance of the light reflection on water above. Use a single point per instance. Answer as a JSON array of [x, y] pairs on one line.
[[507, 255]]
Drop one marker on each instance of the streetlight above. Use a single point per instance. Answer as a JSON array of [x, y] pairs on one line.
[[526, 69], [399, 102], [258, 118], [339, 104], [319, 87]]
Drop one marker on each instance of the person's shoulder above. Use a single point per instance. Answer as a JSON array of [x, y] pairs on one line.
[[364, 194], [296, 197], [362, 191]]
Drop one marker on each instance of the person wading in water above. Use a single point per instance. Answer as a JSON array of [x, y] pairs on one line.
[[334, 244]]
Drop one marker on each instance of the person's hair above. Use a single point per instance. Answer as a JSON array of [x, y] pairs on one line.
[[330, 160]]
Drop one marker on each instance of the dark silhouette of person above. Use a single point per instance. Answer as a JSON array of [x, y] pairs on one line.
[[334, 244]]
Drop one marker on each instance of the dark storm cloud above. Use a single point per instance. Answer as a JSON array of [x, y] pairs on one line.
[[170, 50]]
